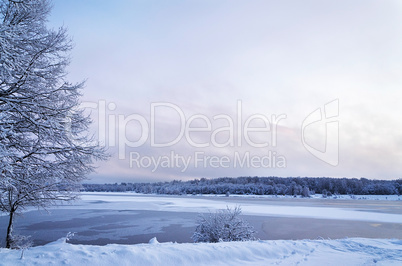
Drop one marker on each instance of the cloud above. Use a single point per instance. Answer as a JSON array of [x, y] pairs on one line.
[[287, 57]]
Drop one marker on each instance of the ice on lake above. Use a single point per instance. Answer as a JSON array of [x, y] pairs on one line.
[[128, 218]]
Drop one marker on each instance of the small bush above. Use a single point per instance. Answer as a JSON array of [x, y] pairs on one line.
[[21, 242], [223, 226]]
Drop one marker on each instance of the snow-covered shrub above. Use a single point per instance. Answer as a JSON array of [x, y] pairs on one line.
[[20, 242], [223, 225], [69, 236]]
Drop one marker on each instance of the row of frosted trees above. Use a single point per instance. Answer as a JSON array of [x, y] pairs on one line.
[[260, 186]]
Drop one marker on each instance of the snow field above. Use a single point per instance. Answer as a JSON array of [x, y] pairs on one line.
[[354, 251]]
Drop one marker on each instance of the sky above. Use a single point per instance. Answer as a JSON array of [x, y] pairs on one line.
[[191, 89]]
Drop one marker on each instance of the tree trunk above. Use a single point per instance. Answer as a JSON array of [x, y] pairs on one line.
[[10, 229]]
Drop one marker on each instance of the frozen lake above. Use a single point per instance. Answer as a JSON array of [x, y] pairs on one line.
[[126, 218]]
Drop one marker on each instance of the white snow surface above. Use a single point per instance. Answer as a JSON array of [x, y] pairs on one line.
[[353, 251], [130, 201]]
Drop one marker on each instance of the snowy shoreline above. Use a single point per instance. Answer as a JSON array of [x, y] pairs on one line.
[[352, 251], [313, 196]]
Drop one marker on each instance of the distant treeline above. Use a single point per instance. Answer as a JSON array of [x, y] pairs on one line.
[[304, 186]]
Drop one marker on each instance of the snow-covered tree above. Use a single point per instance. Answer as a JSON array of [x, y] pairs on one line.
[[223, 226], [44, 149], [306, 192]]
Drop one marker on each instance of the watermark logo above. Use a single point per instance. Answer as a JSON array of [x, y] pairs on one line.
[[200, 159], [329, 115], [221, 130], [166, 136]]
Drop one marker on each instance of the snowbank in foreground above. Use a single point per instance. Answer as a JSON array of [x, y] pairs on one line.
[[354, 251]]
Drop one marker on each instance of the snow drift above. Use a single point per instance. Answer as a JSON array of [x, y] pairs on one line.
[[354, 251]]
